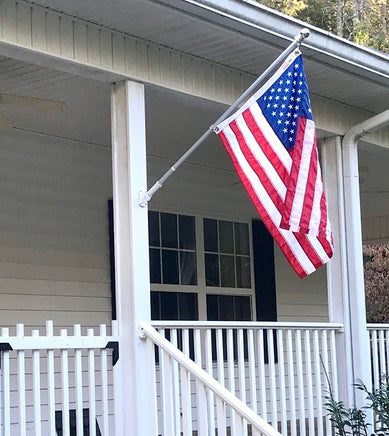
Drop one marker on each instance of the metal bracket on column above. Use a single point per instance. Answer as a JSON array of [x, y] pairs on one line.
[[114, 346], [4, 346]]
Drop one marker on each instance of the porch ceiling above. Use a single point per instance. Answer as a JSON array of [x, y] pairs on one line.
[[247, 39]]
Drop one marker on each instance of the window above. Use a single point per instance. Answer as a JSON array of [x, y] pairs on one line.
[[228, 308], [174, 306], [226, 254], [207, 268], [172, 249]]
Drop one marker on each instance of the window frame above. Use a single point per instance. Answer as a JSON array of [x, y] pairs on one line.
[[201, 288]]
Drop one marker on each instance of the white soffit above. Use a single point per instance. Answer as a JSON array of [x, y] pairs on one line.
[[243, 35]]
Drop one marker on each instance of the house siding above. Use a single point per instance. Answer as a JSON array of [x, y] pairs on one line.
[[54, 250]]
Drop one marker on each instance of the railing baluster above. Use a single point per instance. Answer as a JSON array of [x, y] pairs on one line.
[[79, 399], [36, 382], [382, 354], [209, 369], [386, 340], [5, 369], [1, 390], [221, 418], [51, 378], [65, 387], [262, 383], [200, 391], [318, 383], [153, 376], [220, 356], [334, 368], [300, 382], [241, 371], [308, 364], [326, 370], [166, 394], [292, 393], [374, 358], [104, 381], [186, 402], [175, 386], [92, 388], [272, 375], [21, 383], [252, 374], [281, 376], [231, 371]]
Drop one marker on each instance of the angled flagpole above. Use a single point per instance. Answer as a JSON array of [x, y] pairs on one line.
[[145, 197]]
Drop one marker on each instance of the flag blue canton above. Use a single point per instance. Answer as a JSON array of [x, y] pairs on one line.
[[285, 101]]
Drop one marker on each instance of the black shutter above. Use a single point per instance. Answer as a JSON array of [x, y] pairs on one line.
[[112, 257], [264, 273]]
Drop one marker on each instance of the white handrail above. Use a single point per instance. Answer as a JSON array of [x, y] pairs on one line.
[[259, 424], [249, 324], [371, 326]]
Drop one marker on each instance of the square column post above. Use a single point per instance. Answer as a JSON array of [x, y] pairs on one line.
[[356, 281], [337, 277], [346, 291], [135, 398]]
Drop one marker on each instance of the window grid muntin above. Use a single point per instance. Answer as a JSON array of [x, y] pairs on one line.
[[180, 251], [235, 254]]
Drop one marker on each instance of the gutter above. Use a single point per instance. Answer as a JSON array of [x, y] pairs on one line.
[[352, 242], [368, 126], [258, 22]]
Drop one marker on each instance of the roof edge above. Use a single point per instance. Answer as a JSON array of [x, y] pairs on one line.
[[260, 22]]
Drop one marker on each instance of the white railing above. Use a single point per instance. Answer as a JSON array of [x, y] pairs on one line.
[[181, 380], [281, 371], [54, 383], [379, 352]]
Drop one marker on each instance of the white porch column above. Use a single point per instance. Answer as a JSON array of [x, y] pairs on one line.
[[346, 290], [356, 285], [135, 400], [337, 278]]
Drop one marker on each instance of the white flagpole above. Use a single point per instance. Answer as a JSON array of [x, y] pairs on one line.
[[145, 197]]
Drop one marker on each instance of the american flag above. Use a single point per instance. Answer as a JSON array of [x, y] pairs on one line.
[[271, 140]]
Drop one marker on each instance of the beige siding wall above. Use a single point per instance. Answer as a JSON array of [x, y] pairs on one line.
[[54, 251], [300, 299], [375, 229]]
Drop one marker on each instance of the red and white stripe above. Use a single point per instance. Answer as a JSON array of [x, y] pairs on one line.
[[285, 188]]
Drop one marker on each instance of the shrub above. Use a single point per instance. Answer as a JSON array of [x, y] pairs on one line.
[[352, 421]]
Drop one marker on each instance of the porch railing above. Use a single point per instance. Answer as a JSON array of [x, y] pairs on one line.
[[181, 379], [56, 382], [379, 352], [282, 371]]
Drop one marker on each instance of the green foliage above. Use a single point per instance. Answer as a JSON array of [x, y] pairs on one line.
[[289, 7], [361, 21], [376, 270], [346, 421], [352, 422], [378, 400]]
